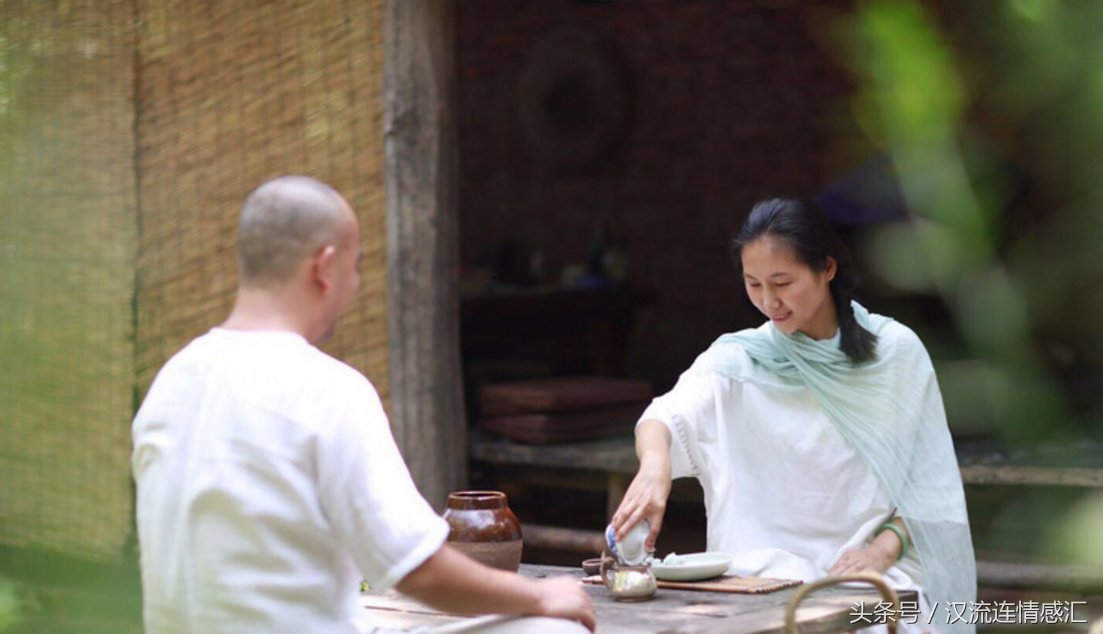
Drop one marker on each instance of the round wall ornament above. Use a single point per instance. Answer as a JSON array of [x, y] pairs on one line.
[[573, 99]]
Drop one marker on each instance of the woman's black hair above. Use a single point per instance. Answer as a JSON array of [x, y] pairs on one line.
[[800, 224]]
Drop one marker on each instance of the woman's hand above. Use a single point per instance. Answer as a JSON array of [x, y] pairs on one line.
[[882, 551], [646, 497], [871, 557]]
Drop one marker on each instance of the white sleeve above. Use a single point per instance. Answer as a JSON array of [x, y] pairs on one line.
[[684, 409], [367, 493]]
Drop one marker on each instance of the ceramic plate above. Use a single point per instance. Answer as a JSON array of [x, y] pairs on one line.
[[692, 567]]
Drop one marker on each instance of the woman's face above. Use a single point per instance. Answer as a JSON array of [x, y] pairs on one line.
[[786, 290]]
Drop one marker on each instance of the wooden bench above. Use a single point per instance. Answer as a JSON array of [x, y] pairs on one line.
[[985, 462], [607, 464], [611, 463], [981, 462], [1008, 575], [1077, 464]]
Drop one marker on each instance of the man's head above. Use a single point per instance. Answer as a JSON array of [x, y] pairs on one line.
[[298, 238]]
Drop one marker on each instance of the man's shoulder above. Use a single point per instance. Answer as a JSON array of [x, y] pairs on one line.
[[337, 383], [185, 358], [272, 358], [344, 375]]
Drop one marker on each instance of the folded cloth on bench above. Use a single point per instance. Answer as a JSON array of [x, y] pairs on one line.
[[546, 428], [560, 394]]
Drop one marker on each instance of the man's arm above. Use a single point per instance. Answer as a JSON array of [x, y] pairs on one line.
[[452, 582]]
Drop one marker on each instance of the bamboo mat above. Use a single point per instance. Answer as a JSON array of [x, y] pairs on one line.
[[233, 94], [130, 133], [68, 226], [726, 583]]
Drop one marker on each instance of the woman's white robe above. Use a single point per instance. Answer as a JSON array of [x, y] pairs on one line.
[[784, 493]]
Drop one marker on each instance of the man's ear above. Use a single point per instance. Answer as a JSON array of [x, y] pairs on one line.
[[830, 269], [324, 266]]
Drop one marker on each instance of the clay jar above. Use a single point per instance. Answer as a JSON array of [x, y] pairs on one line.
[[483, 528]]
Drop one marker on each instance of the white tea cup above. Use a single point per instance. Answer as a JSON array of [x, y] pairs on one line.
[[630, 550]]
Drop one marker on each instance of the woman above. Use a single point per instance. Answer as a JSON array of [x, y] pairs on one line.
[[819, 438]]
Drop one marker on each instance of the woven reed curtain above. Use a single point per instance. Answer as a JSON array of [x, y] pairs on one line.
[[229, 95], [130, 133], [67, 245]]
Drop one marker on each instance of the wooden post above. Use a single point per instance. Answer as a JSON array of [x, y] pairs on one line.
[[422, 249]]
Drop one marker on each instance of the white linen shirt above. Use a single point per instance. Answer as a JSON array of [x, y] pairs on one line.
[[785, 494], [268, 485]]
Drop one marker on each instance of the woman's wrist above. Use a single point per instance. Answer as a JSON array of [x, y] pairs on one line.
[[894, 539], [654, 456], [655, 465]]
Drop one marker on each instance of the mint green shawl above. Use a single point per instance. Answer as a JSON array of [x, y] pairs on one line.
[[890, 410]]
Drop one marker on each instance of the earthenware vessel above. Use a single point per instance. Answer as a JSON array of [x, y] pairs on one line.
[[483, 527], [592, 566]]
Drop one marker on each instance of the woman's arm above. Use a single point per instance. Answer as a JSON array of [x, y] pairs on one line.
[[646, 496], [890, 542]]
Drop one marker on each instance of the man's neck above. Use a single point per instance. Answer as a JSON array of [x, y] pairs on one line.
[[263, 309]]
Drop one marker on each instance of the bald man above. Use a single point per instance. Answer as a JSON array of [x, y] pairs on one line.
[[268, 482]]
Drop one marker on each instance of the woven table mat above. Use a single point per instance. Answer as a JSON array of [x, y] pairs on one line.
[[739, 585]]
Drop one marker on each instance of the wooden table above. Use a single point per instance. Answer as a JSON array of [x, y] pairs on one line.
[[684, 611]]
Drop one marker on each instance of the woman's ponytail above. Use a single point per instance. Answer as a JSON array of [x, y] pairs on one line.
[[856, 342]]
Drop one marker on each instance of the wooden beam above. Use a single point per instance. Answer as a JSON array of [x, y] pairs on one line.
[[592, 543], [616, 454], [422, 250], [1034, 576], [1035, 476]]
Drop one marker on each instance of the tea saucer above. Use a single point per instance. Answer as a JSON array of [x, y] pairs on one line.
[[691, 567]]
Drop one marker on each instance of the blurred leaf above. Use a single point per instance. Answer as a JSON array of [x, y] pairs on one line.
[[992, 315], [912, 74], [1078, 538], [971, 390], [1033, 10], [10, 605], [899, 257]]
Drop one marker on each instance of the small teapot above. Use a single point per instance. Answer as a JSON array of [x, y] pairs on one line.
[[628, 582]]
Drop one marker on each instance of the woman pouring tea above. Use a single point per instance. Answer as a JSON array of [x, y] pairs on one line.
[[819, 438]]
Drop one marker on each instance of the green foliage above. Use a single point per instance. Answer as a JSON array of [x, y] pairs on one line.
[[10, 605], [1077, 537], [1016, 83], [913, 100]]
